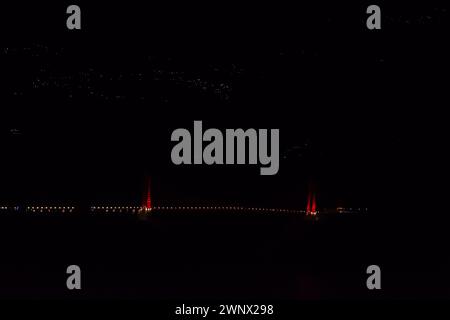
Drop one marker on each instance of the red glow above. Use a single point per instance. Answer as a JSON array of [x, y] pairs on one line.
[[311, 205], [148, 202], [148, 199]]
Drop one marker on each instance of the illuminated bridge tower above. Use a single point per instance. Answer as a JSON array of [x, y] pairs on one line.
[[147, 203], [311, 205]]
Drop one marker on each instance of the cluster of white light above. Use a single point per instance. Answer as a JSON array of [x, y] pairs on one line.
[[114, 208], [348, 210], [139, 209], [227, 208], [50, 209], [119, 209]]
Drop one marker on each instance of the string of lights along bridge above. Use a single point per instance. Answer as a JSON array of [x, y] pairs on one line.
[[148, 207]]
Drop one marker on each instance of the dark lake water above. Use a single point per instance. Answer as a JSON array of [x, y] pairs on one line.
[[181, 255]]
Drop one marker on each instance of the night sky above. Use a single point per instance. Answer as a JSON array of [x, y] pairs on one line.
[[87, 115]]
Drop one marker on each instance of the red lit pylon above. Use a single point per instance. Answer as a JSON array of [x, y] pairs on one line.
[[311, 205], [148, 199]]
